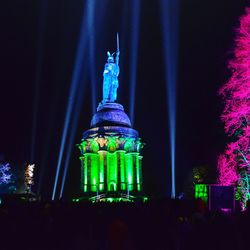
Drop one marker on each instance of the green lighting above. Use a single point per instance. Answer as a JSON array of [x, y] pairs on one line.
[[111, 144], [110, 168], [112, 171], [129, 145], [129, 170], [94, 158], [121, 158], [113, 200], [85, 170], [101, 170], [137, 166], [94, 147], [139, 172], [83, 146], [201, 191]]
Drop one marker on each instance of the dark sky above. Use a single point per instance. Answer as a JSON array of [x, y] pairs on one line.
[[38, 46]]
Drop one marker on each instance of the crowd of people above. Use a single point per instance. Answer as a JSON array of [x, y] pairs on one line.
[[165, 224]]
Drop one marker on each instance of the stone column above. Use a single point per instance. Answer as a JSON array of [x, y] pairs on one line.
[[102, 156], [94, 173], [86, 172], [140, 172], [112, 171], [129, 171], [121, 170]]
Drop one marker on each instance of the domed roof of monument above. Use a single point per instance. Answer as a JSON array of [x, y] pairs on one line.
[[110, 114]]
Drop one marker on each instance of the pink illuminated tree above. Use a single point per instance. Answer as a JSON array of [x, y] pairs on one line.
[[234, 164]]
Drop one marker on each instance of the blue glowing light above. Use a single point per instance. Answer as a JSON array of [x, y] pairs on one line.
[[71, 141], [170, 25], [135, 21], [72, 97], [91, 26], [110, 76], [5, 175], [91, 31]]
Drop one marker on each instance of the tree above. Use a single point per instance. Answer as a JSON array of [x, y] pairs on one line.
[[234, 163], [5, 175], [29, 177], [6, 178]]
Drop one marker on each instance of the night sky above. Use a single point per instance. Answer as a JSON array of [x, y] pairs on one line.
[[38, 48]]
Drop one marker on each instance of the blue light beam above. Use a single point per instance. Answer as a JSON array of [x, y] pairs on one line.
[[135, 25], [72, 96], [70, 143], [170, 29], [93, 25], [91, 5]]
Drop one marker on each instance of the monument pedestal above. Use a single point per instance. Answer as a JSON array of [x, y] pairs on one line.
[[111, 161]]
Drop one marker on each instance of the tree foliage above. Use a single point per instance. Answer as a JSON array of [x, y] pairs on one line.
[[233, 164], [5, 175]]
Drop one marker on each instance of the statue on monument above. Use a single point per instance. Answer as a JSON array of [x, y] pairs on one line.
[[110, 76]]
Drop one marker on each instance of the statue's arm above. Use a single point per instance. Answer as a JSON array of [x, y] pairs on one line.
[[117, 58]]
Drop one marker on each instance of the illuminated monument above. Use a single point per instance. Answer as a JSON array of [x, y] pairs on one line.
[[111, 163]]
